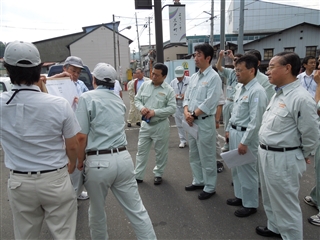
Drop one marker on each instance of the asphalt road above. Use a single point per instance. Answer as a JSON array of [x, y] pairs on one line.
[[175, 213]]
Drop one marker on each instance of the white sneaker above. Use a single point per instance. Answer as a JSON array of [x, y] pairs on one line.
[[308, 200], [83, 196], [315, 219], [182, 145]]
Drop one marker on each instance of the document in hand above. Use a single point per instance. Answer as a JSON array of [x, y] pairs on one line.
[[62, 87], [192, 130], [233, 159]]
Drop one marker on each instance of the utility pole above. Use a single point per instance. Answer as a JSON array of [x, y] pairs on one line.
[[114, 44], [222, 26], [138, 42], [212, 18], [241, 26], [158, 28], [149, 32]]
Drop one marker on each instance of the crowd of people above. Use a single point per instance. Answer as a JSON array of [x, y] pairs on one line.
[[273, 116]]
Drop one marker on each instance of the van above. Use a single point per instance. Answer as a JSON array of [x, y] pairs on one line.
[[5, 84], [85, 74]]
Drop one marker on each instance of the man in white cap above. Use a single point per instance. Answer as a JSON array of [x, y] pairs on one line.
[[108, 165], [179, 85], [38, 136], [72, 68]]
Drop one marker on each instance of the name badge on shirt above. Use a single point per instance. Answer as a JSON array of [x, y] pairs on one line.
[[204, 83], [162, 94]]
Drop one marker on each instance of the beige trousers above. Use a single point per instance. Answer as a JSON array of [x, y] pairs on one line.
[[48, 197]]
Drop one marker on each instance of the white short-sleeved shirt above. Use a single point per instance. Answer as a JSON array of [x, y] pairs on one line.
[[33, 127], [117, 88]]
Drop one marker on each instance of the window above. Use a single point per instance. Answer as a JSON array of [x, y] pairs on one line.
[[268, 54], [289, 49], [311, 51]]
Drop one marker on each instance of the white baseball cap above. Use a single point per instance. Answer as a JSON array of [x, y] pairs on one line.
[[74, 61], [18, 51], [104, 72], [179, 71]]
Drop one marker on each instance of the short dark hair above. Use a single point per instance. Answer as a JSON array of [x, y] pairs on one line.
[[306, 59], [238, 55], [250, 62], [108, 84], [23, 75], [255, 53], [290, 58], [206, 49], [162, 67]]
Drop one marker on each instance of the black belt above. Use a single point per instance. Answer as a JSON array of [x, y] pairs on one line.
[[106, 151], [242, 129], [40, 172], [202, 117], [277, 149]]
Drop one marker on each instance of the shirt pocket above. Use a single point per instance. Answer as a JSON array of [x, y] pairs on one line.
[[280, 120], [243, 108], [144, 97], [161, 100], [202, 93]]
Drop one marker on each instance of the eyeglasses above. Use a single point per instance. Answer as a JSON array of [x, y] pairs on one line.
[[270, 68], [238, 70]]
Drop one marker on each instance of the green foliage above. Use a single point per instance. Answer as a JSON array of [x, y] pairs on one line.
[[2, 47]]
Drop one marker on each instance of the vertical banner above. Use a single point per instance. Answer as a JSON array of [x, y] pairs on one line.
[[177, 19]]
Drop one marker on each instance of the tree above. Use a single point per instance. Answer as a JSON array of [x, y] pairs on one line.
[[2, 47]]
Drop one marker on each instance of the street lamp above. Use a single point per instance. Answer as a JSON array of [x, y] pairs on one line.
[[128, 27], [211, 26], [120, 72]]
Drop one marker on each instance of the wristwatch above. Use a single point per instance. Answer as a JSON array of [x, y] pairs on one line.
[[193, 114]]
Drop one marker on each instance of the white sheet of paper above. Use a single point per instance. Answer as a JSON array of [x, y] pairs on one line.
[[192, 130], [62, 87], [233, 159]]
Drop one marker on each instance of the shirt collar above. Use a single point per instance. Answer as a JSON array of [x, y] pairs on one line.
[[205, 72], [35, 87]]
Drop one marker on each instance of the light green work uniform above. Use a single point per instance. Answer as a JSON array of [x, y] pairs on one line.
[[264, 82], [315, 192], [203, 92], [250, 102], [101, 114], [231, 83], [162, 100], [289, 121]]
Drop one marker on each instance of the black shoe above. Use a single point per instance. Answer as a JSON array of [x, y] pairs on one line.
[[205, 195], [157, 180], [220, 167], [138, 124], [139, 180], [245, 212], [234, 201], [129, 124], [193, 187], [264, 231]]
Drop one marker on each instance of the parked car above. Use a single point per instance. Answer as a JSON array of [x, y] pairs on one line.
[[85, 74], [5, 84]]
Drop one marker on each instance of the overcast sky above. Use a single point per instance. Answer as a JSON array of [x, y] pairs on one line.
[[35, 20]]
